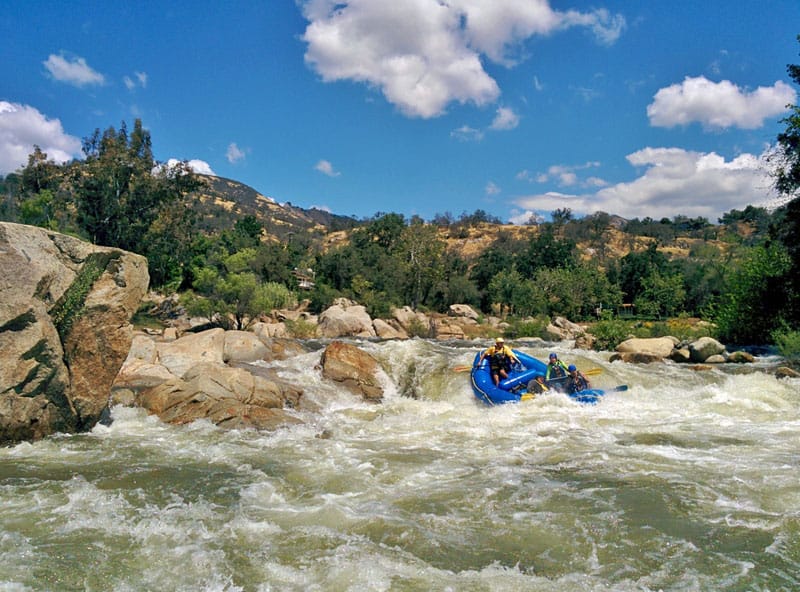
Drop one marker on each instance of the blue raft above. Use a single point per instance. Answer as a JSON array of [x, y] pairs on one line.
[[515, 388]]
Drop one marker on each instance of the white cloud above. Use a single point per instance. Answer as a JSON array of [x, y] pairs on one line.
[[674, 181], [22, 126], [326, 168], [505, 119], [74, 71], [201, 167], [492, 188], [522, 218], [565, 175], [718, 105], [467, 134], [139, 79], [425, 54], [234, 154]]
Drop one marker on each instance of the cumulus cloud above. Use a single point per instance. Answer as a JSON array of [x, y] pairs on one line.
[[22, 126], [505, 119], [74, 71], [201, 167], [673, 180], [326, 168], [234, 154], [718, 105], [425, 54]]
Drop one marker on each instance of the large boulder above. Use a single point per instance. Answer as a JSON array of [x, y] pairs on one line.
[[345, 318], [353, 368], [704, 348], [191, 349], [228, 397], [463, 310], [64, 329], [660, 347], [207, 376]]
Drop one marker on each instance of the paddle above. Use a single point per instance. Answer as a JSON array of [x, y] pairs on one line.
[[589, 372]]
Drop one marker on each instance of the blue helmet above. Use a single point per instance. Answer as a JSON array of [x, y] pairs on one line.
[[572, 368], [553, 356]]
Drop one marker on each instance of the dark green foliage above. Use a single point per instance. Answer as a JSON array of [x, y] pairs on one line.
[[545, 250], [610, 333], [788, 342], [635, 267], [752, 308]]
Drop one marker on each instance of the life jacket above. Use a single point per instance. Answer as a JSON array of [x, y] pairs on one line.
[[557, 370], [499, 359], [577, 383]]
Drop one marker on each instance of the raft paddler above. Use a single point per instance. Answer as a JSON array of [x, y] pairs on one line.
[[500, 359]]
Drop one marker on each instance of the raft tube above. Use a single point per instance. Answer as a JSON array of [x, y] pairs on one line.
[[515, 388]]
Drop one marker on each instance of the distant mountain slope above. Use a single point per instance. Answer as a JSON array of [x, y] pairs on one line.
[[221, 202]]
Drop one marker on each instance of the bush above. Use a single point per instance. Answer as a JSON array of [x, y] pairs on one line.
[[526, 328], [301, 328], [608, 334], [788, 343]]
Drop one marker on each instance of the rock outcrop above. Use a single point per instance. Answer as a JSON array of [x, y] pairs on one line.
[[65, 310], [208, 375], [345, 318], [701, 352], [353, 368]]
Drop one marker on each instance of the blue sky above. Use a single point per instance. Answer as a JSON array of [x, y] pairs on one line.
[[517, 107]]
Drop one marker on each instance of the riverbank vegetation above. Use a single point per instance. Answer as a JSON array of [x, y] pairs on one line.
[[740, 273]]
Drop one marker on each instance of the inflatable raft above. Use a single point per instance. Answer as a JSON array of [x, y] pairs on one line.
[[515, 388]]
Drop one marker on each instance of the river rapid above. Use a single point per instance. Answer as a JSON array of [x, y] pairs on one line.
[[687, 481]]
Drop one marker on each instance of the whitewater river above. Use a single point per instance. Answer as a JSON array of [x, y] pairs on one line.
[[687, 481]]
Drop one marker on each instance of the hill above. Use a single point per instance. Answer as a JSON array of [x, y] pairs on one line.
[[221, 202]]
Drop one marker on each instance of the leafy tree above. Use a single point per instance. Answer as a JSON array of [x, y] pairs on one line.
[[786, 160], [235, 299], [634, 267], [502, 288], [420, 251], [577, 292], [661, 295], [749, 311], [545, 250], [119, 189]]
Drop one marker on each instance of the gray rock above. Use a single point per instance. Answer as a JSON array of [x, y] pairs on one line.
[[65, 329]]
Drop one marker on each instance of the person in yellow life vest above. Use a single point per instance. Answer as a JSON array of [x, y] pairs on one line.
[[537, 386], [500, 359]]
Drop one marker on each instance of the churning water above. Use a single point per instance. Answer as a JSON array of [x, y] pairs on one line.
[[687, 481]]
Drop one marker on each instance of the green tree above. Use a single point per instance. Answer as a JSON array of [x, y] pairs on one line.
[[546, 250], [502, 288], [235, 299], [750, 311], [634, 267], [120, 190], [786, 161], [420, 252], [661, 295]]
